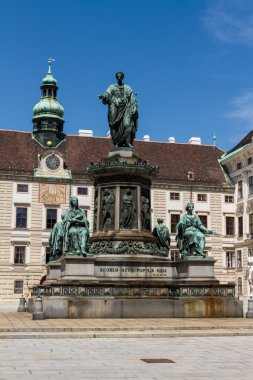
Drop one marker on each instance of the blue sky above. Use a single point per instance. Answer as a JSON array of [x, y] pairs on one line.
[[190, 62]]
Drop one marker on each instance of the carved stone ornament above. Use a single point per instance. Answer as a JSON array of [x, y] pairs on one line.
[[239, 210], [117, 164], [249, 208], [126, 247]]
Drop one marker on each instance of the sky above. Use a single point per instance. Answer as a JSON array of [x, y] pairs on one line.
[[189, 61]]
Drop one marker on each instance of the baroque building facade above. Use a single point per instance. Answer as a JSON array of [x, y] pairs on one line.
[[42, 169]]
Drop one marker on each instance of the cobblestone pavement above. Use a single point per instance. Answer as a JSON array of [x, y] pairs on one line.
[[198, 358]]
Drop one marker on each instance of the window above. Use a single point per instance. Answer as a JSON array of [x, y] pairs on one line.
[[174, 254], [229, 199], [230, 259], [238, 165], [249, 160], [230, 225], [19, 254], [240, 192], [202, 197], [251, 184], [82, 190], [48, 254], [203, 219], [240, 226], [239, 285], [18, 287], [22, 188], [190, 176], [21, 217], [174, 219], [239, 259], [175, 196], [51, 217]]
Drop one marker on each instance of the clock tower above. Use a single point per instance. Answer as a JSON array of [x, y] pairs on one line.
[[48, 113]]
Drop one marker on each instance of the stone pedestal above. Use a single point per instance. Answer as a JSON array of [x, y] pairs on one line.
[[249, 313], [38, 309], [127, 286], [197, 268], [22, 304]]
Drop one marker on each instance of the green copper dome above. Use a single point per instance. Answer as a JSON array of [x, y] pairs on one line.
[[48, 106], [49, 79], [48, 112]]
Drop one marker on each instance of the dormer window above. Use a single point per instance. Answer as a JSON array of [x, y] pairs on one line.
[[190, 176]]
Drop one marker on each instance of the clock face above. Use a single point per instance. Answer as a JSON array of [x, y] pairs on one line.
[[53, 162]]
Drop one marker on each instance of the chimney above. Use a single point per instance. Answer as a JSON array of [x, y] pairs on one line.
[[171, 140], [85, 132], [195, 140], [146, 138]]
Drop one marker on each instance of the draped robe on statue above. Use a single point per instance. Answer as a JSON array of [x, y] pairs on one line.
[[122, 114]]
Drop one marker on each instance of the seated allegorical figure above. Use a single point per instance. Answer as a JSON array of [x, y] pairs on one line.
[[190, 234], [76, 230]]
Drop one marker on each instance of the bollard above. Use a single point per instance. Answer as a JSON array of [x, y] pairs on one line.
[[22, 304], [249, 313], [38, 309]]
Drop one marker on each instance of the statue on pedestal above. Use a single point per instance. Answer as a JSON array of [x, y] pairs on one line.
[[122, 112], [161, 232], [128, 213], [56, 239], [71, 234], [250, 278], [108, 206], [76, 230], [145, 213], [190, 234]]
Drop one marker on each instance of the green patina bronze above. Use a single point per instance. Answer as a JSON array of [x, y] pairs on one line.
[[190, 234], [115, 163], [48, 113], [122, 112], [70, 236], [161, 232]]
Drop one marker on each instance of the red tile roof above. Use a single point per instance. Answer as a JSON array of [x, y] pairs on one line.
[[19, 153]]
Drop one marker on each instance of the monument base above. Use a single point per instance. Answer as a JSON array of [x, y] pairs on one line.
[[125, 286], [75, 307]]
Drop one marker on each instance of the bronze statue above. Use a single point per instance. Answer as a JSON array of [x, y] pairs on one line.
[[190, 234], [122, 112], [161, 232], [145, 213], [128, 214], [56, 239], [108, 205], [76, 230]]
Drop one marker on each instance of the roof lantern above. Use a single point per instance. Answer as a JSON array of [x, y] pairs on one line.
[[48, 112]]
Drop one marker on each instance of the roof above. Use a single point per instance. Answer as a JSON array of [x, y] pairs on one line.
[[19, 153], [245, 141]]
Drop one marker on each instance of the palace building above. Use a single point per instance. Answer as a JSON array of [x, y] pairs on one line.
[[40, 170]]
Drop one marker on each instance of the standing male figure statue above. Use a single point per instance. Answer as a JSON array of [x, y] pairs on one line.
[[122, 112]]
